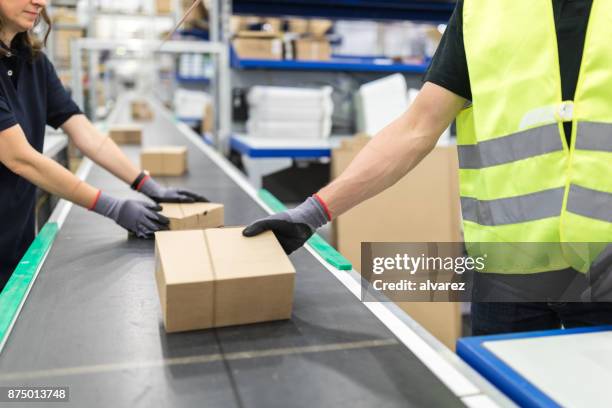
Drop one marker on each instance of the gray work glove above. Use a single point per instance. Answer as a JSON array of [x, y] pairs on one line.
[[135, 216], [293, 227], [161, 194]]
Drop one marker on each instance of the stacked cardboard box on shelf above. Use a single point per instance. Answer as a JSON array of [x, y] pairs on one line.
[[312, 49], [258, 45], [304, 39], [216, 277]]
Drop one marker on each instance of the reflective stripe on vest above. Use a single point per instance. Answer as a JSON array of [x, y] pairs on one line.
[[590, 203], [518, 146], [594, 136], [514, 210]]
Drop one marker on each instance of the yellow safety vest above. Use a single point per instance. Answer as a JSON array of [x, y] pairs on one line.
[[520, 181]]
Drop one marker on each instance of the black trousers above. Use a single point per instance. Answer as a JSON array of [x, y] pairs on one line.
[[497, 318]]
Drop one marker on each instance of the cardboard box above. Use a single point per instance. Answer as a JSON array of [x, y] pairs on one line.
[[197, 18], [141, 111], [126, 134], [316, 27], [312, 49], [319, 27], [297, 25], [208, 120], [421, 207], [189, 216], [258, 45], [163, 6], [217, 277], [62, 42], [164, 161]]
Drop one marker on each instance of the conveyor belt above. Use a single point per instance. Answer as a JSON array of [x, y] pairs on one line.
[[92, 322]]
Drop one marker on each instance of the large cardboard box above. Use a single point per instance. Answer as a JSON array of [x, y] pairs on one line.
[[258, 45], [421, 207], [188, 216], [126, 134], [164, 160], [312, 49], [217, 277]]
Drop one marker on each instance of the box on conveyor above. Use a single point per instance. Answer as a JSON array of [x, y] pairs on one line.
[[217, 277], [258, 45], [164, 160], [141, 111], [188, 216], [126, 134]]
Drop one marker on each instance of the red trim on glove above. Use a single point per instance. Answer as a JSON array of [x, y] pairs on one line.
[[325, 207], [95, 201], [145, 178]]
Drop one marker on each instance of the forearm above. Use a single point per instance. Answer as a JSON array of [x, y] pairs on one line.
[[395, 150], [388, 157], [100, 148], [55, 179]]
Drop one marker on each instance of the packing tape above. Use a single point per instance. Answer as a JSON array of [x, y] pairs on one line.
[[326, 251]]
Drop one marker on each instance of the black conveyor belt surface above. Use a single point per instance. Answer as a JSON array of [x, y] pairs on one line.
[[93, 322]]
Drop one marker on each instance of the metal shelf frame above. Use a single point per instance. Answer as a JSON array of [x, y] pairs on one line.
[[220, 82], [415, 10]]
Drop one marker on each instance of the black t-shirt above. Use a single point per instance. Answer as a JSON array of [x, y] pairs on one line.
[[449, 65], [32, 96]]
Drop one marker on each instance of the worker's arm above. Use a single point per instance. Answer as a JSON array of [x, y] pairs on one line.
[[21, 158], [105, 152], [388, 157]]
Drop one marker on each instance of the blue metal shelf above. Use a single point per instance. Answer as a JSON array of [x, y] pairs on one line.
[[305, 152], [337, 63], [192, 80], [415, 10], [195, 32]]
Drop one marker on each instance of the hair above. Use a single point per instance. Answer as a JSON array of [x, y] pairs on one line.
[[31, 40]]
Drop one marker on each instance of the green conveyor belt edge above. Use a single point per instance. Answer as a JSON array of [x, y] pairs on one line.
[[17, 286]]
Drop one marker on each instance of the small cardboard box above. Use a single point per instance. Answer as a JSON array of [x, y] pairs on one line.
[[258, 45], [312, 49], [141, 111], [163, 6], [193, 215], [208, 119], [164, 160], [217, 277], [126, 134]]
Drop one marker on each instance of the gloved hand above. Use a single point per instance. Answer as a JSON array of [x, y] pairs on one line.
[[161, 194], [293, 227], [135, 216]]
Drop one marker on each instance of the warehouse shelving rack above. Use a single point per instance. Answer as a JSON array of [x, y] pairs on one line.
[[396, 10]]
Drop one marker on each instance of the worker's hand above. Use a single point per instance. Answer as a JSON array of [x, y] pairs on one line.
[[293, 227], [161, 194], [135, 216]]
